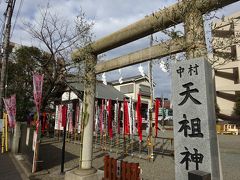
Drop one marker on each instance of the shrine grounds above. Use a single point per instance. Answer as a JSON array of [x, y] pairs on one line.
[[162, 168]]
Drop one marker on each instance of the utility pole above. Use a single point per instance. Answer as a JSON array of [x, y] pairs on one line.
[[150, 139], [5, 49]]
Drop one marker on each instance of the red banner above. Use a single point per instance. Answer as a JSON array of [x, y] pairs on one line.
[[64, 115], [13, 106], [37, 94], [109, 109], [119, 117], [157, 105], [37, 90], [126, 117], [139, 117], [10, 105], [101, 116]]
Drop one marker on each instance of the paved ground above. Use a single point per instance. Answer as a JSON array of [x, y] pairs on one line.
[[161, 169], [9, 170]]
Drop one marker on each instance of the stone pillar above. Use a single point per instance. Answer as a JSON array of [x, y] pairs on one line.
[[88, 112], [85, 170], [16, 138], [194, 31], [199, 139]]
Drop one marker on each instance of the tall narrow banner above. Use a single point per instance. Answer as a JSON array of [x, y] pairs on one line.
[[139, 117], [56, 117], [148, 123], [76, 117], [37, 94], [105, 119], [69, 118], [80, 116], [64, 113], [133, 119], [157, 105], [60, 127], [13, 109], [101, 117], [116, 118], [130, 116], [119, 118], [96, 117], [126, 117], [109, 109], [10, 105]]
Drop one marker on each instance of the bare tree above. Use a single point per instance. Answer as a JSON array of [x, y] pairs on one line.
[[218, 46], [58, 38]]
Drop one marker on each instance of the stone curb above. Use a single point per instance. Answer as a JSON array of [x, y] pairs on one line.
[[26, 166], [22, 169]]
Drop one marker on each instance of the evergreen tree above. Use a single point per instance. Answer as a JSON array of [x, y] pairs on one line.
[[20, 81]]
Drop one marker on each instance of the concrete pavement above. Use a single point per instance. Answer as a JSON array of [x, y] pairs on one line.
[[9, 168]]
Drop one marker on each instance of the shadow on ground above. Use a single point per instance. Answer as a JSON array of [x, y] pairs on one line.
[[51, 156]]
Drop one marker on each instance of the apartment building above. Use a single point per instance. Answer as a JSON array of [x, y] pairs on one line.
[[226, 55]]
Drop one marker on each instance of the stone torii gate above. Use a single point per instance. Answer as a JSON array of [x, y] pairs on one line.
[[193, 43]]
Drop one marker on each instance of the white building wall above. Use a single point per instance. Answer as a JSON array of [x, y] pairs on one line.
[[226, 85]]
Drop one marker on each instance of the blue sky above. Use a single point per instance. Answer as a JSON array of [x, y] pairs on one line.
[[108, 16]]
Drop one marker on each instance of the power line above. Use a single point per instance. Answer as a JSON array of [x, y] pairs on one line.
[[18, 12], [3, 26]]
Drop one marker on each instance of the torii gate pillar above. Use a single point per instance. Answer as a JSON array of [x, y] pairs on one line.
[[85, 170]]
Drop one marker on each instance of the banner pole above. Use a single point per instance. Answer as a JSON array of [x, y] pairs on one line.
[[3, 134], [6, 132], [37, 93]]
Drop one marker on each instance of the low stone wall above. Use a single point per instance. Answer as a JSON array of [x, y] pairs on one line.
[[24, 149]]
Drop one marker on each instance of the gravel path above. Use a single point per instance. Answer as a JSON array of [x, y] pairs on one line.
[[161, 169]]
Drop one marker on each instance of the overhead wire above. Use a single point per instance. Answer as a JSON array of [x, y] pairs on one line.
[[3, 26], [17, 15]]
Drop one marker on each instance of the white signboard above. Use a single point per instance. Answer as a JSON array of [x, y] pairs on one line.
[[195, 140], [27, 136], [34, 140]]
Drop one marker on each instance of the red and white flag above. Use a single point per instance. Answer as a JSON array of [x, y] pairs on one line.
[[126, 117], [130, 114], [109, 109], [64, 112], [10, 105], [96, 118], [101, 117], [139, 118], [119, 118], [37, 94], [157, 105], [37, 90]]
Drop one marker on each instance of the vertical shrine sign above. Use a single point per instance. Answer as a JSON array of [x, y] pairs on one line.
[[195, 139]]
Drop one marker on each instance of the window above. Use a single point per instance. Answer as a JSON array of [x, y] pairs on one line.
[[145, 90], [126, 88]]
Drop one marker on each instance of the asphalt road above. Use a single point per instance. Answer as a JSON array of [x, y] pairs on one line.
[[9, 170]]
